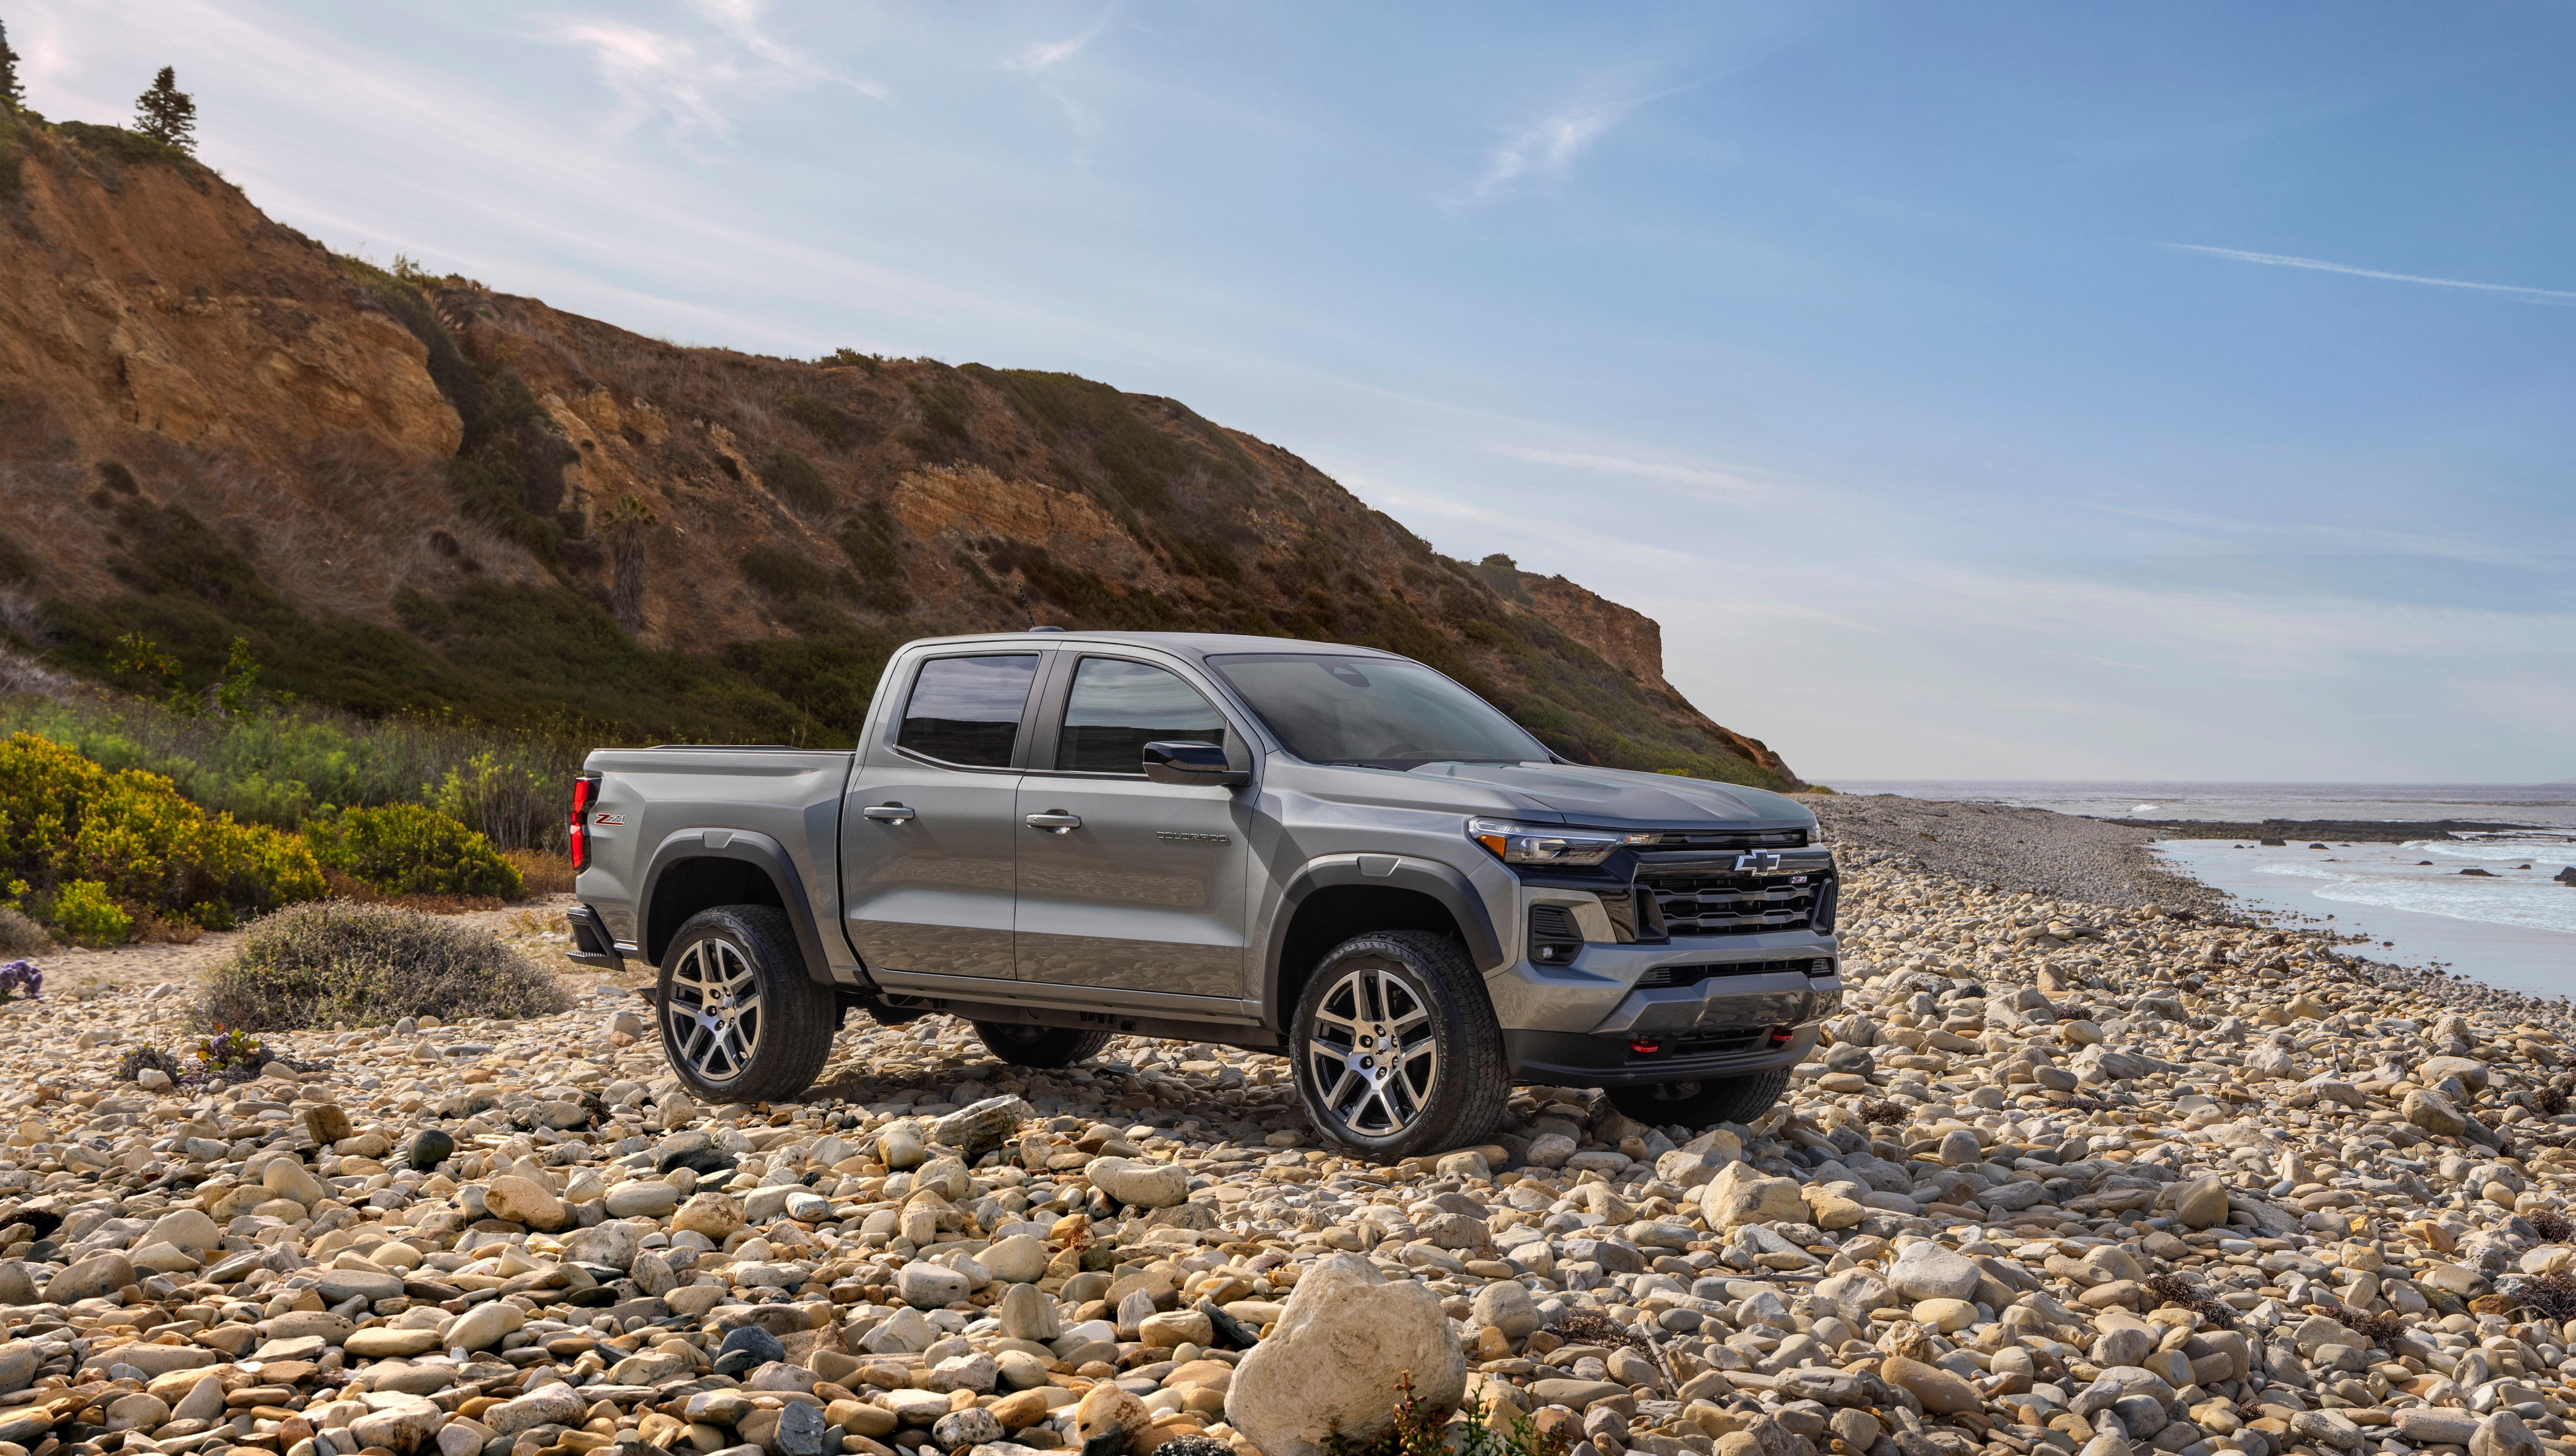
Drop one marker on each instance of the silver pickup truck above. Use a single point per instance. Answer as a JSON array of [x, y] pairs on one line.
[[1328, 852]]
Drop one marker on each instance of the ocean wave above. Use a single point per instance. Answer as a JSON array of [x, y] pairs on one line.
[[2543, 906], [2553, 851]]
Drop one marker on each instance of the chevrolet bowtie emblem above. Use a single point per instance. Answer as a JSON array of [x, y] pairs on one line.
[[1758, 863]]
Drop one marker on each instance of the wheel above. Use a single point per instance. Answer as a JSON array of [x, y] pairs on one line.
[[1040, 1046], [1701, 1104], [1396, 1047], [741, 1021]]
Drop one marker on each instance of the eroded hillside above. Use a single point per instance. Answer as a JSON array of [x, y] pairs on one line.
[[402, 492]]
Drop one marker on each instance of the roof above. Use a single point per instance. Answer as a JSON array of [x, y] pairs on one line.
[[1184, 644]]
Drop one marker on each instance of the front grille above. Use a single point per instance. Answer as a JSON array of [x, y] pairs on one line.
[[1732, 904], [1730, 839], [1662, 977]]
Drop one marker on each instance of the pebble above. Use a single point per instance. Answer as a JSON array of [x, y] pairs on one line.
[[2084, 1174]]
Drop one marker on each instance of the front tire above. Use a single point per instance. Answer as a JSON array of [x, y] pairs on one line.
[[1702, 1104], [1396, 1048], [1040, 1046], [741, 1021]]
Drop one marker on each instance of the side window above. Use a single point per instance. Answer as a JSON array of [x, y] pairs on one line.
[[966, 710], [1116, 708]]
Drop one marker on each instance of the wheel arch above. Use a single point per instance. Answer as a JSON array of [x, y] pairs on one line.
[[1332, 900], [700, 869]]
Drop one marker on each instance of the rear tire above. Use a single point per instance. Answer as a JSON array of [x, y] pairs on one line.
[[740, 1019], [1396, 1048], [1702, 1104], [1040, 1046]]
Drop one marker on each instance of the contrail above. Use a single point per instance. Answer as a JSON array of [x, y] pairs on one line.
[[2284, 260]]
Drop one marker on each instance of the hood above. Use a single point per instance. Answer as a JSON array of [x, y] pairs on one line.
[[1614, 798]]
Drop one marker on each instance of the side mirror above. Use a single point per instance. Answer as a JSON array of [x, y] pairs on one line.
[[1188, 761]]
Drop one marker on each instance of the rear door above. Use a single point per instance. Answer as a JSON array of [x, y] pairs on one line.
[[1125, 883], [929, 837]]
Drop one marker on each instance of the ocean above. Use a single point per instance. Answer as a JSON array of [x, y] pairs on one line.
[[2514, 926]]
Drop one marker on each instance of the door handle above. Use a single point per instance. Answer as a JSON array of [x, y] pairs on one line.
[[1056, 821], [887, 813]]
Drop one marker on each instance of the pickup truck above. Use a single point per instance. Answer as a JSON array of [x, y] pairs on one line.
[[1331, 853]]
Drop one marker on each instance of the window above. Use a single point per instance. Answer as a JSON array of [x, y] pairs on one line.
[[966, 710], [1375, 712], [1116, 708]]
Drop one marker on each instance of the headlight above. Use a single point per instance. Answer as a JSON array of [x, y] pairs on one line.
[[1547, 844]]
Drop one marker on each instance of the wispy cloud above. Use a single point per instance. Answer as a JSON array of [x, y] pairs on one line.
[[678, 77], [1046, 55], [1545, 148], [2321, 265], [1665, 472]]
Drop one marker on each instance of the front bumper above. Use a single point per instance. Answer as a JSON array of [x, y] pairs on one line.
[[1579, 1059], [1608, 1018]]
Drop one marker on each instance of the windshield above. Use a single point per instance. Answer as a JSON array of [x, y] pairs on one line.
[[1376, 712]]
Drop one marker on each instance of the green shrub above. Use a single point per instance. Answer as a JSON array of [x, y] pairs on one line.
[[337, 961], [408, 849], [88, 916], [793, 479], [283, 766], [830, 423], [784, 574], [867, 538], [67, 823]]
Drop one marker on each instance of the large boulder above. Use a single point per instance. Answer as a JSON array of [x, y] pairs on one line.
[[1928, 1271], [1143, 1184], [2434, 1113], [1342, 1344], [1741, 1194]]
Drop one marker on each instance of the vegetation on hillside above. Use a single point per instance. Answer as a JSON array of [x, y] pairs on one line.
[[776, 482]]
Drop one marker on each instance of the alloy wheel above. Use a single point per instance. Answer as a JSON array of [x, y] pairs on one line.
[[1372, 1053], [713, 1012]]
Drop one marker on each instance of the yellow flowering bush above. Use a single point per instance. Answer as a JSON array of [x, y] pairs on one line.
[[85, 840]]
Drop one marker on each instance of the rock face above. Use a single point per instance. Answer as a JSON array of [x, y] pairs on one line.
[[1343, 1341], [164, 345]]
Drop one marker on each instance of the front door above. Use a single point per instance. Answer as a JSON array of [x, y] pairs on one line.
[[1126, 883], [930, 836]]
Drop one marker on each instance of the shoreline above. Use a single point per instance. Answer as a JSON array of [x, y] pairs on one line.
[[2111, 865], [2350, 831]]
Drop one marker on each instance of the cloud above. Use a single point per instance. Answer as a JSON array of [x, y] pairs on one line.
[[650, 72], [1546, 148], [657, 72], [2320, 265], [1046, 55], [1666, 472]]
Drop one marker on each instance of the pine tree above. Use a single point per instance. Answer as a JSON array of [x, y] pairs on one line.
[[167, 114], [13, 96]]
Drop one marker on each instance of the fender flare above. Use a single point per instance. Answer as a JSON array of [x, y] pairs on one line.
[[1451, 889], [749, 847]]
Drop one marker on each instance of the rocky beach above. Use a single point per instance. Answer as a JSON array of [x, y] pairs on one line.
[[2087, 1163]]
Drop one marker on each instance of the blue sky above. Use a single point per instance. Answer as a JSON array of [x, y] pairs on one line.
[[2004, 391]]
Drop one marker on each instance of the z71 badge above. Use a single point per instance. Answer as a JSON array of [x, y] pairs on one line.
[[608, 821]]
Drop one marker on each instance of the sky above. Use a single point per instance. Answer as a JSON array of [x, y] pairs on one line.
[[2000, 391]]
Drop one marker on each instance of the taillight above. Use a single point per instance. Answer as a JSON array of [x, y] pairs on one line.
[[585, 789]]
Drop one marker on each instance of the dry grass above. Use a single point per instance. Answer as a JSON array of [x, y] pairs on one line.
[[546, 873], [336, 961]]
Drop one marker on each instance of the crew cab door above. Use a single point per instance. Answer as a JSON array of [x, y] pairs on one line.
[[929, 834], [1125, 883]]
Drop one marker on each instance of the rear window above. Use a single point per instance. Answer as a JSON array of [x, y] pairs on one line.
[[966, 710]]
